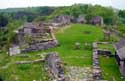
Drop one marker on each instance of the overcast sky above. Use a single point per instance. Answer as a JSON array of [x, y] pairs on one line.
[[120, 4]]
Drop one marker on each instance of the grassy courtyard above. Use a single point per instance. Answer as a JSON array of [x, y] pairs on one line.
[[77, 33], [110, 70]]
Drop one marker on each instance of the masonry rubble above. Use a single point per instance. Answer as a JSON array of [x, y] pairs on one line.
[[15, 49], [41, 45], [55, 68], [96, 68], [81, 19], [30, 38], [104, 52], [97, 73], [62, 20], [30, 62], [23, 55], [97, 20], [75, 73]]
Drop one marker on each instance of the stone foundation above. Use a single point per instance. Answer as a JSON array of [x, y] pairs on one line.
[[54, 67], [41, 45], [97, 75]]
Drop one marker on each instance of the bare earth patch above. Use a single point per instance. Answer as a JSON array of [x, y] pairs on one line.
[[62, 29]]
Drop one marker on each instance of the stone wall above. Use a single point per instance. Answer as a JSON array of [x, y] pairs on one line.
[[97, 75], [41, 45], [30, 62], [14, 50], [38, 38], [54, 66]]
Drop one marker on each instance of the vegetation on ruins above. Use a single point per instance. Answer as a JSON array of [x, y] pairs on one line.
[[71, 36], [12, 17]]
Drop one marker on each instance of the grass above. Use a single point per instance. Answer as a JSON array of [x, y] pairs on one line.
[[73, 34], [107, 47], [4, 59], [110, 69], [24, 72], [108, 65]]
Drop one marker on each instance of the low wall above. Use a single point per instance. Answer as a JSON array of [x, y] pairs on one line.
[[41, 45], [97, 75], [54, 65]]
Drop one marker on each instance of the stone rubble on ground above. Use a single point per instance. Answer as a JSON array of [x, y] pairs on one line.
[[79, 73], [29, 62], [97, 73], [41, 45], [96, 68]]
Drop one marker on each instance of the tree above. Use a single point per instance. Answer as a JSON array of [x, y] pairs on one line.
[[107, 13], [121, 13], [3, 21], [41, 18], [44, 11], [30, 18]]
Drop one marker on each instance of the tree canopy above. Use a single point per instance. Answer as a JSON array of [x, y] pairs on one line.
[[3, 21]]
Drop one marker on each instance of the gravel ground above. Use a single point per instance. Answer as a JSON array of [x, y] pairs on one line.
[[79, 73]]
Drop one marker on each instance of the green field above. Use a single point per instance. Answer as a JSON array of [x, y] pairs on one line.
[[110, 69], [77, 33], [10, 71]]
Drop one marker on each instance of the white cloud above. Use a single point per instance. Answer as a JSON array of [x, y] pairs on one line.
[[28, 3]]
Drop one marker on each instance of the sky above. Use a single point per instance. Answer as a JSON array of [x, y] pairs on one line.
[[119, 4]]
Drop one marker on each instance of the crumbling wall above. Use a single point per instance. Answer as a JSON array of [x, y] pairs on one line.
[[39, 38], [41, 45], [97, 75], [54, 66]]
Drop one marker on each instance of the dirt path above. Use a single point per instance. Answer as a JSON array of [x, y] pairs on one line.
[[61, 29]]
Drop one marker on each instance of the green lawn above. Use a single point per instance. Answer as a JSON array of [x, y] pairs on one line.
[[10, 71], [24, 72], [108, 65], [110, 69], [77, 33], [107, 47]]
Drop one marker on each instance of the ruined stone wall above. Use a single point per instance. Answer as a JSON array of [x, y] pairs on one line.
[[54, 66], [96, 68], [41, 45]]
